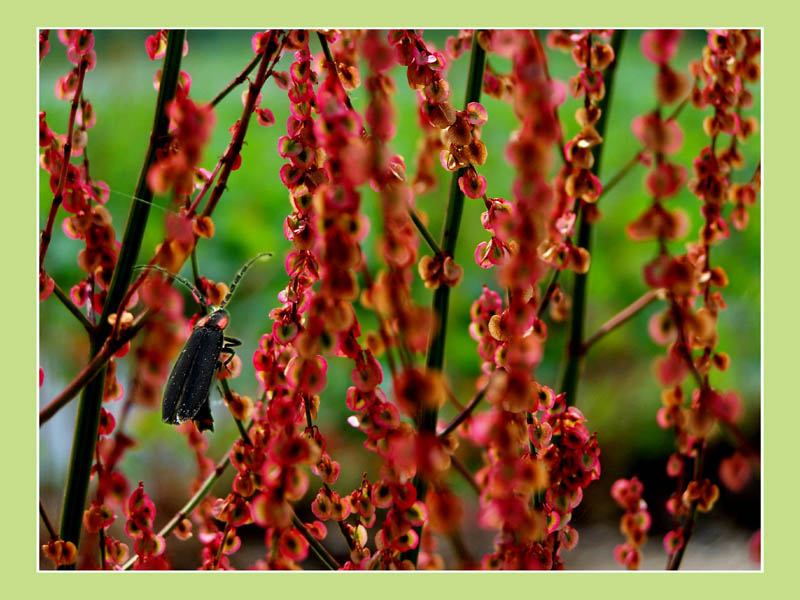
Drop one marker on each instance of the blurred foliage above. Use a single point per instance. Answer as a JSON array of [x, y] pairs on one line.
[[618, 391]]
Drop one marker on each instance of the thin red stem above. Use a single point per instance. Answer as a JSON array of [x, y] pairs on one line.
[[62, 178], [229, 158], [624, 315], [111, 346]]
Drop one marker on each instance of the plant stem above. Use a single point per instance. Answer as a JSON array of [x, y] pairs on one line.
[[462, 416], [253, 90], [70, 305], [226, 393], [97, 362], [102, 544], [329, 57], [619, 175], [569, 381], [225, 533], [426, 234], [688, 527], [47, 523], [240, 78], [320, 550], [622, 316], [464, 472], [441, 297], [625, 169], [548, 293], [89, 408], [62, 178]]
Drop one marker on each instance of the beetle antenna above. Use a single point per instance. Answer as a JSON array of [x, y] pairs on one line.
[[198, 295], [240, 274]]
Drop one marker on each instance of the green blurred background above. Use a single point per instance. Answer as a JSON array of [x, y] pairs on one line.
[[618, 391]]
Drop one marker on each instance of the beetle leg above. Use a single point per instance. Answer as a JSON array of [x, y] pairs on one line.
[[232, 342], [224, 363]]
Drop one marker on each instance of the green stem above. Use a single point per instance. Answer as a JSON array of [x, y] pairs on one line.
[[89, 408], [102, 535], [196, 275], [620, 175], [441, 297], [569, 381], [426, 234], [218, 557]]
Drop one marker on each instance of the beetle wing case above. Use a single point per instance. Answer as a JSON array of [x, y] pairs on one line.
[[189, 383]]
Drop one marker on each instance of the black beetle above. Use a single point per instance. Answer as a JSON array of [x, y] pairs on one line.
[[187, 391]]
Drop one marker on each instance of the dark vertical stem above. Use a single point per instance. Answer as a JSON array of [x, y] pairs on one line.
[[89, 407], [441, 297], [569, 381]]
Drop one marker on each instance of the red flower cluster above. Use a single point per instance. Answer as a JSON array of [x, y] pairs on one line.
[[660, 137], [727, 61], [576, 186], [426, 69], [61, 553], [635, 522], [528, 496], [149, 546], [660, 46]]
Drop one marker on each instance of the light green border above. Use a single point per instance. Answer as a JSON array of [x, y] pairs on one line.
[[781, 286]]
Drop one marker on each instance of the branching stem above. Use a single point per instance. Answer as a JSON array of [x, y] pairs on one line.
[[70, 305], [622, 316], [94, 366]]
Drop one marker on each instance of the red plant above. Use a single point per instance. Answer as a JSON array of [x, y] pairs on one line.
[[532, 453]]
